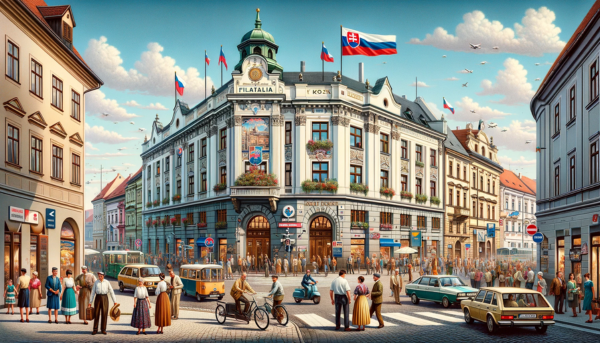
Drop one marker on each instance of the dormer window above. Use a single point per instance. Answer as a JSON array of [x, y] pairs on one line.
[[257, 51], [67, 32]]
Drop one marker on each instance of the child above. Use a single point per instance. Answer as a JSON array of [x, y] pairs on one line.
[[9, 295]]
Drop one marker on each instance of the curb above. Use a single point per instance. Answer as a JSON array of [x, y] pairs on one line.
[[578, 325]]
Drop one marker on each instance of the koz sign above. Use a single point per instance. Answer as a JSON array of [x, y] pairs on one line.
[[21, 215]]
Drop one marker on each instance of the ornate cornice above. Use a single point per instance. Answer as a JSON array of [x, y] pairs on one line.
[[300, 120], [372, 128], [277, 120]]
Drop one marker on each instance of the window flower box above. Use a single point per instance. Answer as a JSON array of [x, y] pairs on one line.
[[359, 187], [219, 187], [256, 177], [435, 200], [421, 198], [176, 197], [156, 203], [313, 146], [184, 221], [148, 204], [419, 164], [359, 225], [406, 195], [148, 222], [155, 223], [387, 192], [221, 225], [165, 201], [201, 225], [163, 222], [330, 186], [174, 221]]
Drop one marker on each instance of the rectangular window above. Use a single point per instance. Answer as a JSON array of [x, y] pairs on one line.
[[167, 193], [320, 171], [191, 153], [167, 163], [493, 187], [594, 162], [223, 136], [404, 148], [190, 218], [36, 155], [450, 168], [358, 216], [556, 180], [421, 222], [221, 215], [36, 78], [158, 192], [432, 189], [288, 132], [67, 32], [178, 160], [572, 173], [202, 217], [384, 141], [223, 175], [572, 103], [75, 105], [355, 137], [157, 168], [474, 180], [178, 188], [57, 92], [481, 210], [419, 185], [435, 224], [57, 162], [465, 173], [458, 198], [190, 185], [458, 171], [489, 212], [594, 81], [493, 213], [384, 178], [419, 151], [465, 200], [203, 182], [404, 182], [75, 169], [385, 217], [203, 150], [12, 62], [288, 174], [320, 131], [405, 220], [450, 228], [12, 143], [556, 118], [355, 174], [432, 158], [450, 196]]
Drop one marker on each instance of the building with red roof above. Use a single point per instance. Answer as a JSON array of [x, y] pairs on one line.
[[99, 203], [115, 217], [517, 197]]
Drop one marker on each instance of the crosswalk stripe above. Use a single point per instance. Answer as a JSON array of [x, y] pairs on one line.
[[454, 313], [577, 328], [374, 322], [440, 317], [314, 320], [410, 319]]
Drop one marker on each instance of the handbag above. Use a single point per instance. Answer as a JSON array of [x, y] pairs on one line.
[[89, 313]]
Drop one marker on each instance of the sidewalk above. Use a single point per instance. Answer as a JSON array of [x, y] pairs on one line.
[[191, 326], [578, 321]]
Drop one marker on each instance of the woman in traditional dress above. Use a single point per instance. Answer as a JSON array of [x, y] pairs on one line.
[[141, 308], [68, 305], [35, 293], [23, 294], [162, 314], [9, 296], [360, 313]]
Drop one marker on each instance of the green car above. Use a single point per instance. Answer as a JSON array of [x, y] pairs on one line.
[[444, 289]]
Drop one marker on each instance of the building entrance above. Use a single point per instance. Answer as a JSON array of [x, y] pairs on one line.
[[320, 237], [457, 250], [258, 234]]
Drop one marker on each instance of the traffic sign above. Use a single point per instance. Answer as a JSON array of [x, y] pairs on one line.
[[209, 242], [532, 229], [467, 246], [491, 230], [538, 237], [595, 219], [51, 218], [138, 242]]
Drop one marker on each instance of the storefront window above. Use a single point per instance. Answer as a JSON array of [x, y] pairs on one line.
[[576, 266], [357, 248], [67, 249], [190, 253], [223, 249], [595, 262], [384, 252], [544, 260], [560, 250]]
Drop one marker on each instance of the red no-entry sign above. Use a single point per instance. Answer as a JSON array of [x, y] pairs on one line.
[[532, 229]]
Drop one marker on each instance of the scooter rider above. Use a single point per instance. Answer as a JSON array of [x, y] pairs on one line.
[[306, 281]]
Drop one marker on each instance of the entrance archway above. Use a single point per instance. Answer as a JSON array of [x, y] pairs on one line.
[[67, 248], [320, 237], [258, 237], [457, 250], [489, 252]]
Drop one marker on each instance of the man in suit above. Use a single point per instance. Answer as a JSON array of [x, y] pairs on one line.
[[396, 283], [556, 289], [377, 298], [176, 287]]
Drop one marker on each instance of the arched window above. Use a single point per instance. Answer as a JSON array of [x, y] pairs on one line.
[[67, 248], [244, 54], [270, 55], [483, 151], [257, 50], [259, 223]]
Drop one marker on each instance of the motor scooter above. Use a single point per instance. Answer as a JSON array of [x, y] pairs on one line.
[[313, 294]]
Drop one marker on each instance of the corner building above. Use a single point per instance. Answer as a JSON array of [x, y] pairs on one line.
[[367, 136]]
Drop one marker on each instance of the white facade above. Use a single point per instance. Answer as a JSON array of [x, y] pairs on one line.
[[515, 235]]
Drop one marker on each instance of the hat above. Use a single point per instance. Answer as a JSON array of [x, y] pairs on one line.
[[377, 275], [53, 268], [540, 274], [100, 272], [84, 267], [115, 313], [35, 273]]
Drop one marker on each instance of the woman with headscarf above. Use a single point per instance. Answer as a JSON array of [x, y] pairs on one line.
[[162, 314], [35, 293], [141, 308]]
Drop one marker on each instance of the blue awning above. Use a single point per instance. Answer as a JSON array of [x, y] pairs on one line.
[[388, 242]]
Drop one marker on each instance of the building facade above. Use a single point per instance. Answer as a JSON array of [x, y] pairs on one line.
[[41, 173], [100, 219], [115, 217], [567, 116], [324, 137], [89, 228], [133, 211]]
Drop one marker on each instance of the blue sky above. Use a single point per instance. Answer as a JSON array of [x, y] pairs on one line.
[[135, 46]]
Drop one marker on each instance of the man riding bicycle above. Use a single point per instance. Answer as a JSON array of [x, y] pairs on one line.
[[241, 286]]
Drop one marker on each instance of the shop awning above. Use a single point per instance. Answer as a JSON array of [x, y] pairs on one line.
[[201, 241], [388, 242]]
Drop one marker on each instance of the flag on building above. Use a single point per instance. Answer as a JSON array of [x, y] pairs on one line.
[[448, 106], [481, 124], [222, 58], [206, 58], [179, 85], [325, 55], [359, 43]]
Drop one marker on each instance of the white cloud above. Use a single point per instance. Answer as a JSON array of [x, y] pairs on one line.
[[507, 161], [89, 146], [514, 138], [106, 155], [535, 36], [452, 78], [511, 83], [128, 164], [420, 84], [97, 104], [152, 73], [466, 104], [152, 106], [434, 109], [97, 134]]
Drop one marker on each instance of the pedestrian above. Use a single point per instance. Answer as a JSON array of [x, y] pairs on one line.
[[22, 294], [299, 265], [319, 263], [140, 318], [339, 292], [176, 287], [9, 296], [357, 267], [410, 271], [54, 288], [278, 270], [277, 294], [393, 265], [35, 293], [68, 305], [501, 279], [541, 285], [334, 263], [360, 312], [573, 294], [530, 278], [84, 283], [100, 292], [315, 266], [368, 265], [509, 279], [555, 289], [162, 313], [267, 265], [488, 278], [519, 279], [397, 285], [286, 265], [294, 266], [377, 298], [589, 292], [228, 270]]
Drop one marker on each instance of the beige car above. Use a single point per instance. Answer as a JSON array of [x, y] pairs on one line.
[[508, 307], [129, 275]]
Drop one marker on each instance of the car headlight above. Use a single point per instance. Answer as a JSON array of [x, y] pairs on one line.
[[461, 295], [472, 294]]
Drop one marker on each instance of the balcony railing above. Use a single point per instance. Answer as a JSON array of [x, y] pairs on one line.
[[253, 191]]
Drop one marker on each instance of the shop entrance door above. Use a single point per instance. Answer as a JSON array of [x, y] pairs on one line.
[[320, 237], [595, 266], [457, 250], [258, 237]]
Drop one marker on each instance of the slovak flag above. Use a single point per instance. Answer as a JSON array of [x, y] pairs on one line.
[[358, 43], [179, 85], [222, 58], [448, 106], [206, 58], [325, 55]]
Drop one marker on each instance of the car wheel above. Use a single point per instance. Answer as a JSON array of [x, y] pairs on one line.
[[316, 300], [491, 325], [541, 328], [298, 300], [468, 318], [415, 300], [121, 287], [445, 302], [198, 297]]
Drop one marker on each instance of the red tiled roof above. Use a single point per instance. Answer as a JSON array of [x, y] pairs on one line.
[[107, 188], [461, 135], [51, 11], [511, 180], [120, 190], [529, 183], [136, 173]]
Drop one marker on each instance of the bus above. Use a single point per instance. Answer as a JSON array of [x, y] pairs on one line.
[[512, 254], [115, 260]]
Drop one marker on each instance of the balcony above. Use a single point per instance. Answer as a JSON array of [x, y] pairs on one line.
[[239, 193], [459, 213]]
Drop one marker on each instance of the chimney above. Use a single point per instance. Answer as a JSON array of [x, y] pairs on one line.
[[519, 175], [302, 66], [457, 127], [361, 72]]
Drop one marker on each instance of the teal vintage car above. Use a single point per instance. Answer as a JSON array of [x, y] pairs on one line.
[[444, 289]]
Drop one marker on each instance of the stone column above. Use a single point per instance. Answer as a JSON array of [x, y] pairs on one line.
[[301, 161], [212, 160], [277, 142]]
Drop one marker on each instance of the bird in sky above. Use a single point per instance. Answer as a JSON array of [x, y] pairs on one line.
[[384, 62], [465, 84], [496, 48], [492, 125], [537, 79], [120, 149], [475, 46], [141, 129], [473, 111], [443, 56], [483, 62], [132, 123], [527, 142], [105, 114], [468, 71], [114, 122], [504, 130], [537, 64]]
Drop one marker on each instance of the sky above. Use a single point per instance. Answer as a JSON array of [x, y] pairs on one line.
[[136, 46]]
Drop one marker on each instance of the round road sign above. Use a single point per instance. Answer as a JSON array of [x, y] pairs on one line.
[[209, 242], [532, 229], [138, 242], [538, 237]]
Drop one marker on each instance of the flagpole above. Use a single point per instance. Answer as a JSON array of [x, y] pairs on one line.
[[221, 63], [341, 52], [175, 90], [204, 74], [322, 63]]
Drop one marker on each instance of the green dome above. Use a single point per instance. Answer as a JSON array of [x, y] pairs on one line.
[[258, 32]]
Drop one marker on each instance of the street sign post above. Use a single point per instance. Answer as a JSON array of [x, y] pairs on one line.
[[467, 246], [532, 229], [50, 218], [138, 243], [538, 237], [209, 242]]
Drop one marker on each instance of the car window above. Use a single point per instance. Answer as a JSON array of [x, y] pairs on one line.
[[214, 274], [134, 272], [480, 296], [192, 274], [523, 300], [124, 271], [128, 273], [494, 301], [416, 282], [184, 273], [451, 281], [424, 281], [488, 297], [434, 282]]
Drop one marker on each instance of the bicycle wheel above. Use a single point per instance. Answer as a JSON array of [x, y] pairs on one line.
[[261, 318], [282, 315], [221, 314]]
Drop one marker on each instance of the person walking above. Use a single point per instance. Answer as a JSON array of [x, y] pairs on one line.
[[334, 264], [303, 263], [162, 313], [555, 289], [478, 277], [588, 287], [267, 265], [54, 288], [530, 278], [573, 294], [358, 267], [488, 278], [228, 269], [23, 294], [176, 287], [368, 265], [377, 298], [100, 292], [410, 272], [360, 312], [140, 318], [339, 292], [542, 286], [393, 265], [84, 283], [286, 265], [294, 266], [35, 293], [9, 296], [509, 279], [68, 305], [397, 285], [501, 279], [277, 294]]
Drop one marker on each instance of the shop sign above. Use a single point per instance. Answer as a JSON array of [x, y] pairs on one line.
[[288, 225], [21, 215], [374, 235], [317, 92], [595, 219], [584, 248], [358, 235], [491, 230], [337, 244], [385, 235], [357, 231], [255, 90], [321, 203], [386, 227], [575, 255], [289, 211], [415, 239], [337, 251], [302, 248], [480, 235]]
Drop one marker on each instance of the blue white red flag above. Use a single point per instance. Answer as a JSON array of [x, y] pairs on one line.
[[206, 58], [222, 58], [179, 85], [359, 43], [448, 106], [325, 55]]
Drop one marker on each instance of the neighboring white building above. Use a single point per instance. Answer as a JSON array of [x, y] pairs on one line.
[[517, 194], [100, 221]]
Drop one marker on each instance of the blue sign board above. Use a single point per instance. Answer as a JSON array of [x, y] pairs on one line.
[[491, 230], [50, 218], [336, 251], [415, 238], [467, 246], [538, 237]]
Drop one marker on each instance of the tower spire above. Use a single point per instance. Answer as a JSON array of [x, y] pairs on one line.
[[257, 23]]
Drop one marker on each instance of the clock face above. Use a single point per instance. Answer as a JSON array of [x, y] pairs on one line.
[[255, 74]]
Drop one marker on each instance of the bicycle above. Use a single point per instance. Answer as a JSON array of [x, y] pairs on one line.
[[261, 315], [280, 309]]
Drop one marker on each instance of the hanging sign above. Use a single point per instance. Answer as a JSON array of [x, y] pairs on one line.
[[255, 155]]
